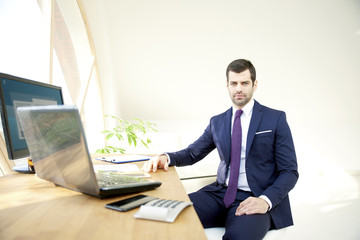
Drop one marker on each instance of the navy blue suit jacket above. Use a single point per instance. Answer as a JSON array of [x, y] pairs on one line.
[[271, 165]]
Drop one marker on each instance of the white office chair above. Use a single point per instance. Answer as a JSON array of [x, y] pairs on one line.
[[216, 233]]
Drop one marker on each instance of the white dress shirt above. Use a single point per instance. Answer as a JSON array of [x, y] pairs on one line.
[[245, 123]]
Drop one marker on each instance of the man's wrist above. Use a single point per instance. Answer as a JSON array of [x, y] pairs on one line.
[[167, 156], [267, 200]]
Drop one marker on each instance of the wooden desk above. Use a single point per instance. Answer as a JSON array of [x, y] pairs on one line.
[[31, 208]]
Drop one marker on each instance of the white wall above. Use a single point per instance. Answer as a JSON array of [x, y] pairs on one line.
[[165, 61]]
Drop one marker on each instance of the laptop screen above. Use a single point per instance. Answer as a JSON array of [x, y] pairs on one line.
[[58, 147]]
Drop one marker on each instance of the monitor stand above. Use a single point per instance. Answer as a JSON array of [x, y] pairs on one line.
[[24, 168]]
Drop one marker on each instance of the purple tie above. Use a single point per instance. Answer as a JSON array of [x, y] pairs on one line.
[[235, 161]]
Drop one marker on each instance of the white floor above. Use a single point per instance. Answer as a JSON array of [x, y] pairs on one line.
[[325, 206]]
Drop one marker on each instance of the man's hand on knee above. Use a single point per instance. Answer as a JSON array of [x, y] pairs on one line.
[[252, 205]]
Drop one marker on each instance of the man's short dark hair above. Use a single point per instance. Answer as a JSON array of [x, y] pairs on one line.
[[239, 66]]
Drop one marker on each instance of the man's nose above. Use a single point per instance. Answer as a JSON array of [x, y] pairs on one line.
[[239, 88]]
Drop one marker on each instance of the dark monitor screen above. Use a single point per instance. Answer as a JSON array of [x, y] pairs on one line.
[[16, 92]]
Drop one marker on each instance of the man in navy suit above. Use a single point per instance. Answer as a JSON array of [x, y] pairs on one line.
[[268, 165]]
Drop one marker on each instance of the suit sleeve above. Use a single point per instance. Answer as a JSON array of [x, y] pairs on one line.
[[286, 163], [195, 151]]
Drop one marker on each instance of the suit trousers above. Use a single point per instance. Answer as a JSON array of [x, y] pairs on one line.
[[210, 208]]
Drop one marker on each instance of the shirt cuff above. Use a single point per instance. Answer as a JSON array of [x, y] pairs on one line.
[[168, 157], [267, 200]]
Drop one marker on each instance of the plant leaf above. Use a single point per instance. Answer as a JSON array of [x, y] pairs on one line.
[[129, 137], [119, 137], [110, 135], [144, 143]]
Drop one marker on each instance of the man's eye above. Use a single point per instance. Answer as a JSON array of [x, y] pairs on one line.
[[245, 83]]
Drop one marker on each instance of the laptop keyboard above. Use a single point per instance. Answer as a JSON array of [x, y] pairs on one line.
[[106, 179]]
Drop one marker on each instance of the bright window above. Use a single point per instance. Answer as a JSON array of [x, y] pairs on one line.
[[25, 45]]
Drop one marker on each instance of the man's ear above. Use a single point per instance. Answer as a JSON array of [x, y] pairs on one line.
[[255, 85]]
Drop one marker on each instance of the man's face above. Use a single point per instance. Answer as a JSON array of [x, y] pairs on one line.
[[240, 88]]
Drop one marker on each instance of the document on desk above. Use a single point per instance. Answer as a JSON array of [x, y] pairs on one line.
[[124, 158], [126, 169]]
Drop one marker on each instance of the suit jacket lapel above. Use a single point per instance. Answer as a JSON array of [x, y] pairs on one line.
[[254, 124]]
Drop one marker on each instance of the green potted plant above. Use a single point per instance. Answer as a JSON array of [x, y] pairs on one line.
[[134, 131]]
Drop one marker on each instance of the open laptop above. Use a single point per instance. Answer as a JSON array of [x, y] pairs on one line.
[[57, 145]]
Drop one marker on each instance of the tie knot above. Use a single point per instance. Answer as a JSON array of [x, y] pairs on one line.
[[238, 113]]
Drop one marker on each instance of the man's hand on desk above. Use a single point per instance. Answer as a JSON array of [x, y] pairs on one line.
[[159, 161]]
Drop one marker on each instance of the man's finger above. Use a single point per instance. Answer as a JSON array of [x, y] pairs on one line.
[[155, 163], [252, 205]]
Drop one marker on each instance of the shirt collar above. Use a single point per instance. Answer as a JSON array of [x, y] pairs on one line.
[[247, 109]]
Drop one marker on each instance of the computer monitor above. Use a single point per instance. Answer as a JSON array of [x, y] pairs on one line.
[[16, 92]]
